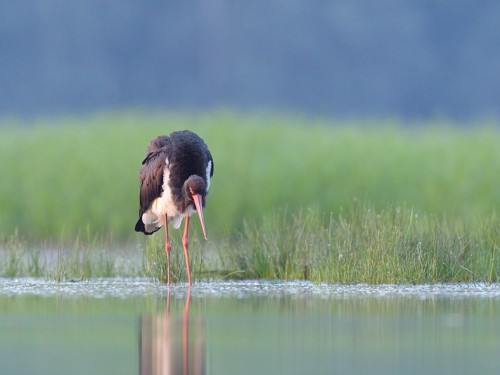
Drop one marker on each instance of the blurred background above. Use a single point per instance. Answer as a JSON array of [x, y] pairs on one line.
[[410, 59], [304, 103]]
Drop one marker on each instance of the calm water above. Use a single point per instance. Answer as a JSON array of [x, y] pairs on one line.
[[134, 326]]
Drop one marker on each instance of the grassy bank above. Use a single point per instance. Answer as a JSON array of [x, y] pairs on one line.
[[394, 245], [284, 202], [61, 176]]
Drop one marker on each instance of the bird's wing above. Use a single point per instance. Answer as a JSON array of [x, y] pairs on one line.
[[151, 172], [159, 143]]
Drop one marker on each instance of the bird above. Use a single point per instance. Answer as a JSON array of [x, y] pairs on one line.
[[174, 181]]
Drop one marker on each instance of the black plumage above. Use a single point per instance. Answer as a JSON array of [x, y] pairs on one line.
[[185, 162]]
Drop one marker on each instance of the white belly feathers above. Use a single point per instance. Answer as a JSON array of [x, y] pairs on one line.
[[154, 217]]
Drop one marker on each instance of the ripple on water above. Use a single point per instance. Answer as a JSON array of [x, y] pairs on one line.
[[130, 287]]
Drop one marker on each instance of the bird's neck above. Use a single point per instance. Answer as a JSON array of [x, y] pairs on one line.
[[184, 200]]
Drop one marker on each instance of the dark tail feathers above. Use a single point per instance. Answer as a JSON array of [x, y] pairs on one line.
[[139, 227]]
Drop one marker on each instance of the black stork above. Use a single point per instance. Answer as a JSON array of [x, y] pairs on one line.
[[175, 177]]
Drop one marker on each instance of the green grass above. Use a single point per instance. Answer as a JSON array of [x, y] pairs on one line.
[[280, 204], [86, 256], [394, 245]]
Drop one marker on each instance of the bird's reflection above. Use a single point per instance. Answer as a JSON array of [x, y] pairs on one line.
[[171, 343]]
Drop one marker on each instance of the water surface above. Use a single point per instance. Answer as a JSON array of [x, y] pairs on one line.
[[135, 326]]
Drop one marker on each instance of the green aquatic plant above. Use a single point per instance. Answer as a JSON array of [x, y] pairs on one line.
[[394, 245]]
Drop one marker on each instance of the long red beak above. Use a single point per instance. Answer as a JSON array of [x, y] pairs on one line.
[[199, 209]]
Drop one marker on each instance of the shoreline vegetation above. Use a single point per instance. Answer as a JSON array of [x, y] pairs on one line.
[[282, 204], [392, 246]]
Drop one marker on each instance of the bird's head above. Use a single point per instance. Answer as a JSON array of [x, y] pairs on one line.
[[195, 193]]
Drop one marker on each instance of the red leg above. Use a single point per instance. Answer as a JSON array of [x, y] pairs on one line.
[[168, 248], [185, 244]]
